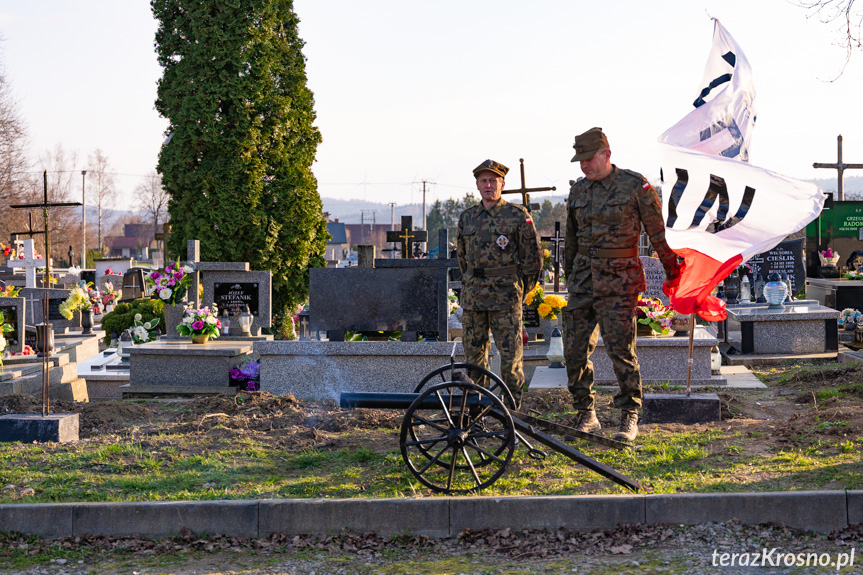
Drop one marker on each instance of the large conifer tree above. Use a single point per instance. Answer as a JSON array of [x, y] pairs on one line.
[[237, 162]]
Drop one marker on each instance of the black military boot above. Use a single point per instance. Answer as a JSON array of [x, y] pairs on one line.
[[628, 429], [587, 421]]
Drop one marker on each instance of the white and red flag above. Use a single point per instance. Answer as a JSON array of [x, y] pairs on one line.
[[719, 210]]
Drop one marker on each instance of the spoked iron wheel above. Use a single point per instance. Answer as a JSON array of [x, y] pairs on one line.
[[448, 373], [457, 437]]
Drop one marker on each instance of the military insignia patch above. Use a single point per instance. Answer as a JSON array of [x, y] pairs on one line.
[[502, 242]]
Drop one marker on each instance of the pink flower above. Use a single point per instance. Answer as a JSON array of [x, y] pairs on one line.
[[219, 324], [197, 325], [108, 272]]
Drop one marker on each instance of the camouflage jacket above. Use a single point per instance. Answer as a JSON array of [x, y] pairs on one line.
[[609, 214], [502, 236]]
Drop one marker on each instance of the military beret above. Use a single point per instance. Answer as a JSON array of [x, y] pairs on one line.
[[490, 166], [588, 144]]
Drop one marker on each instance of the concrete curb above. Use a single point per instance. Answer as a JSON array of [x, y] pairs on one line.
[[820, 511]]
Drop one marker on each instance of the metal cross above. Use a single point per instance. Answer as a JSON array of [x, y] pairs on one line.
[[45, 206], [30, 232], [407, 237], [557, 241], [525, 198], [839, 167]]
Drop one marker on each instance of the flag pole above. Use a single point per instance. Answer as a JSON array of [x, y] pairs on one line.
[[689, 361]]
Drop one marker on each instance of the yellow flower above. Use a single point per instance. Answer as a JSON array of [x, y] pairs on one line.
[[529, 299], [544, 310], [546, 254]]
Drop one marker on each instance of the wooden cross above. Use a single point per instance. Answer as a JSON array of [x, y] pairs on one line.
[[29, 263], [558, 241], [839, 167], [525, 198], [407, 237], [45, 206]]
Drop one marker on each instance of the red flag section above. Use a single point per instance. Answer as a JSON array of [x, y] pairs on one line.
[[699, 274]]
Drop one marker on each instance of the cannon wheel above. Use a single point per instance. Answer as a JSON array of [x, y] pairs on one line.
[[446, 373], [457, 437], [449, 374]]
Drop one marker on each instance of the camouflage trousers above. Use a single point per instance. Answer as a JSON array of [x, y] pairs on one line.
[[506, 327], [583, 317]]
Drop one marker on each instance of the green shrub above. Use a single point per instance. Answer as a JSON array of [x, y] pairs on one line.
[[123, 316]]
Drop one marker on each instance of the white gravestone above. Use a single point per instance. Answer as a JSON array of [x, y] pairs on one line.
[[654, 274], [30, 263]]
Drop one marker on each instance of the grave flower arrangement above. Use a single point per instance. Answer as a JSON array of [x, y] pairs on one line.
[[452, 302], [247, 374], [204, 321], [10, 291], [26, 351], [828, 257], [547, 306], [78, 300], [170, 284], [143, 331], [8, 251], [849, 315], [109, 295], [854, 275], [651, 312]]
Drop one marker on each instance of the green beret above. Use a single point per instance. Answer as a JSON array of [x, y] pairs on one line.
[[588, 144], [490, 166]]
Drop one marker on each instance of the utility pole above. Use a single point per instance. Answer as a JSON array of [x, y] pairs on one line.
[[83, 221], [425, 247]]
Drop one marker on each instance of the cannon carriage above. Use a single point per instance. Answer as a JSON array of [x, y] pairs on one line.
[[459, 437]]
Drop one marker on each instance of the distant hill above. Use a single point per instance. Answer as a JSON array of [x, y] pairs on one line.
[[853, 186], [359, 211]]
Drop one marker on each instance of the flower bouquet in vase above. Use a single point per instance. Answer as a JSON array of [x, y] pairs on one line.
[[200, 324], [653, 317], [548, 307], [828, 257]]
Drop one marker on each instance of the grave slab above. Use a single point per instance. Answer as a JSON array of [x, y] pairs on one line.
[[679, 408], [168, 364], [27, 428], [836, 293], [796, 329], [324, 369]]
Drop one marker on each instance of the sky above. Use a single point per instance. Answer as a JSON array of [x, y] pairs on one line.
[[413, 91]]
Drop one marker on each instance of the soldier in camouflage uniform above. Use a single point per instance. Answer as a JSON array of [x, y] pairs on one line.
[[500, 258], [605, 213]]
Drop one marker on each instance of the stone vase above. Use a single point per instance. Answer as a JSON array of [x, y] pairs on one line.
[[173, 318], [547, 326], [87, 321]]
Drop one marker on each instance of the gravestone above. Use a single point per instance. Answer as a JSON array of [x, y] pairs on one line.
[[35, 313], [409, 298], [14, 309], [785, 257], [133, 285], [654, 275], [116, 265], [235, 289]]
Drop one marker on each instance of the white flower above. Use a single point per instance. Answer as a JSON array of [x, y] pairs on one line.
[[188, 269], [165, 294], [141, 333], [2, 342], [138, 317], [188, 318], [210, 319]]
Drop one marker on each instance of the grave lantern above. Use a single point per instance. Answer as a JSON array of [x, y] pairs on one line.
[[245, 320]]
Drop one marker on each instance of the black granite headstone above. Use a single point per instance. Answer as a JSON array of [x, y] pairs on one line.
[[529, 316], [235, 295], [406, 299], [54, 309], [786, 257]]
